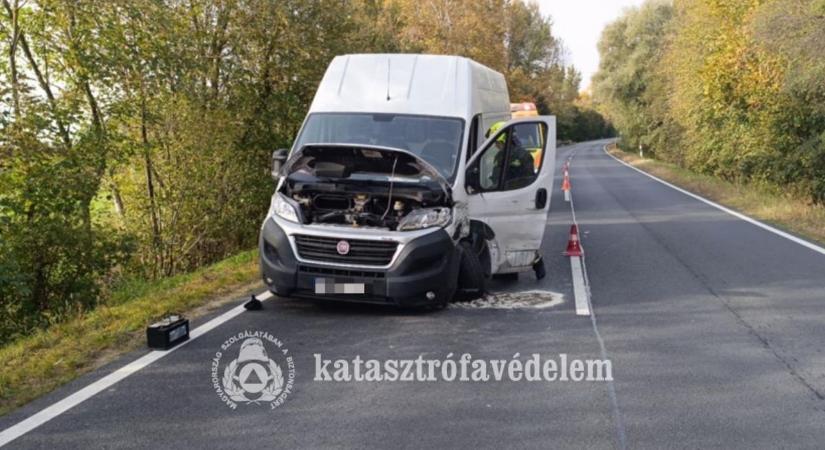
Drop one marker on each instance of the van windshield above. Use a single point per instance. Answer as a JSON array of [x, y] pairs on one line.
[[436, 140]]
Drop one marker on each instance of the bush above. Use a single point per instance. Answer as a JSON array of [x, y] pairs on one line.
[[52, 256], [732, 89]]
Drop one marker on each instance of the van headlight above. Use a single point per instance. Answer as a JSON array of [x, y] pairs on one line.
[[282, 208], [425, 218]]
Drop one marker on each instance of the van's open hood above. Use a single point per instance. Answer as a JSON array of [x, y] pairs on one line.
[[342, 161]]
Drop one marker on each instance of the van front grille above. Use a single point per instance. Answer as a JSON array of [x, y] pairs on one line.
[[362, 252]]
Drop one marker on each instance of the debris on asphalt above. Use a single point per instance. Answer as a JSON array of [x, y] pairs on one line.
[[533, 299]]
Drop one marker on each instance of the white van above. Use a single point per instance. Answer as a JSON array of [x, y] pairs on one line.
[[393, 194]]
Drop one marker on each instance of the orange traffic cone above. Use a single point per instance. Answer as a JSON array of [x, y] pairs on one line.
[[574, 248]]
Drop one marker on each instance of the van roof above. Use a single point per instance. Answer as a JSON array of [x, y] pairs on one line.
[[439, 85]]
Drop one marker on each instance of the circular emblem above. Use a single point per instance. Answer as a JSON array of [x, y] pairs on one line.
[[254, 377], [342, 247]]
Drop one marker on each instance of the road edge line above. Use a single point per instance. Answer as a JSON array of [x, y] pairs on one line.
[[809, 245], [618, 420], [580, 292], [55, 409]]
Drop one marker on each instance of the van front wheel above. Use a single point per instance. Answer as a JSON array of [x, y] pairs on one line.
[[471, 279]]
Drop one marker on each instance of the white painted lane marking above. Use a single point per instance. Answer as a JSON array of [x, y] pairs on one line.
[[579, 288], [618, 421], [751, 220], [19, 429], [581, 291]]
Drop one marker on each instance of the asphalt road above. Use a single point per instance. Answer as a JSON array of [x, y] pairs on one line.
[[714, 328]]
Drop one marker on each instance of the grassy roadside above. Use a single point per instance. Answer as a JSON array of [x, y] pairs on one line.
[[761, 202], [37, 364]]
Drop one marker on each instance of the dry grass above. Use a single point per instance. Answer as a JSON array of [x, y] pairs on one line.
[[765, 203], [37, 364]]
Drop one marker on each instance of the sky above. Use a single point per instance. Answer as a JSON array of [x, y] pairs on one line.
[[579, 24]]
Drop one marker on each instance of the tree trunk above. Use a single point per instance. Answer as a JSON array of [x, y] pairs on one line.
[[13, 12], [117, 199], [216, 49], [44, 85], [150, 189], [19, 38]]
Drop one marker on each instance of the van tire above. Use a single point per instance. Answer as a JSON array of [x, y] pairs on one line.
[[471, 278]]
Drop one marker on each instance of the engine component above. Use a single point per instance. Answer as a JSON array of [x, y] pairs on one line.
[[360, 202]]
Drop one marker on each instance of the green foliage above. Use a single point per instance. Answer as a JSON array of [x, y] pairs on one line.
[[45, 359], [794, 31], [724, 87], [135, 136], [627, 88], [51, 251], [536, 72], [588, 124]]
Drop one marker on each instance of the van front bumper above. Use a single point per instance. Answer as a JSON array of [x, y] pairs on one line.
[[429, 263]]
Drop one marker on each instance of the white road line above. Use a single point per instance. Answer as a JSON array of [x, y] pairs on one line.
[[19, 429], [581, 292], [579, 287], [764, 226], [618, 421]]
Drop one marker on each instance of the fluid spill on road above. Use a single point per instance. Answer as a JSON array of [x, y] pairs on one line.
[[534, 299]]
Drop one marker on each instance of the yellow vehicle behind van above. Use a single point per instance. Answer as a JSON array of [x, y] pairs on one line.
[[528, 109]]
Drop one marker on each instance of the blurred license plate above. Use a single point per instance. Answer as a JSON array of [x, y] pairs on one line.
[[330, 286]]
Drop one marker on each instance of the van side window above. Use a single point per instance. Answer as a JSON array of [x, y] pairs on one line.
[[472, 142], [524, 155], [491, 162], [513, 160]]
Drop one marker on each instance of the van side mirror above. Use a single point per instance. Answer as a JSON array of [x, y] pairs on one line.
[[472, 179], [278, 160]]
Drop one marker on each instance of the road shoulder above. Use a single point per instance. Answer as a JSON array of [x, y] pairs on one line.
[[765, 204]]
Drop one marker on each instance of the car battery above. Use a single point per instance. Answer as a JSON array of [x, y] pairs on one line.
[[167, 332]]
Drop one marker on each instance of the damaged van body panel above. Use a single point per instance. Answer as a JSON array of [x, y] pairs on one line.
[[361, 185], [393, 268], [516, 208], [363, 196]]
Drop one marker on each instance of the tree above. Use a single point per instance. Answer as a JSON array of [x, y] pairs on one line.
[[455, 27], [795, 31], [628, 85], [135, 136], [536, 71], [727, 88]]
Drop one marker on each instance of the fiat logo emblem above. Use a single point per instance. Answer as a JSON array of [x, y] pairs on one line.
[[342, 247]]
